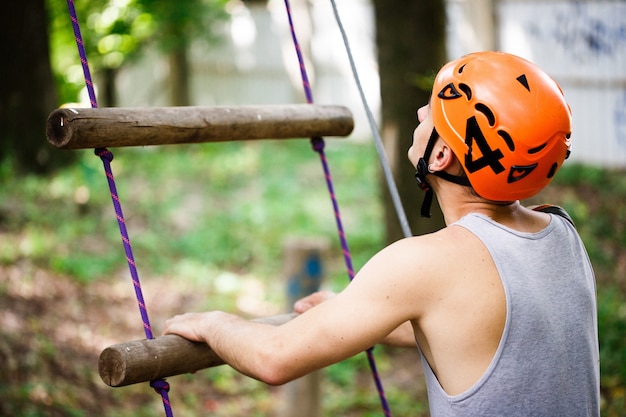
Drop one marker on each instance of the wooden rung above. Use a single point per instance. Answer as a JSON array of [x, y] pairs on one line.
[[161, 357], [83, 128]]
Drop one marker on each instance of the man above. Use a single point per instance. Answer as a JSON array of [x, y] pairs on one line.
[[501, 302]]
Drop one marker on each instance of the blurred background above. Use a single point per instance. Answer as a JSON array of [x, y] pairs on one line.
[[211, 223]]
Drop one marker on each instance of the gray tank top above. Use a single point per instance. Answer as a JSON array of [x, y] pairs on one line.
[[547, 362]]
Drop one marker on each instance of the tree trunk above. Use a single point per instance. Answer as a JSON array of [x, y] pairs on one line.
[[410, 37], [179, 77], [108, 97], [26, 87]]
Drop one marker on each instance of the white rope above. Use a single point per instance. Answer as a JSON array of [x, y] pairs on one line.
[[382, 156]]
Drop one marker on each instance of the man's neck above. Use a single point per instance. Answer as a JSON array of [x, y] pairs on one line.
[[509, 214]]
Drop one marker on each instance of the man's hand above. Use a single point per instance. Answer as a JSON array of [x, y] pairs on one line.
[[311, 301], [191, 326]]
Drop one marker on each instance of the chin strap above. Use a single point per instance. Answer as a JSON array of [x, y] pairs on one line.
[[422, 170]]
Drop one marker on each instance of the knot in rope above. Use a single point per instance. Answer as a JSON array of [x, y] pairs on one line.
[[104, 153], [318, 144], [160, 386]]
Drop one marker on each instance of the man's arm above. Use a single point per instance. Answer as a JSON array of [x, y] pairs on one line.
[[383, 296], [403, 336]]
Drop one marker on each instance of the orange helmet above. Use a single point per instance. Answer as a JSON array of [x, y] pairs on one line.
[[506, 121]]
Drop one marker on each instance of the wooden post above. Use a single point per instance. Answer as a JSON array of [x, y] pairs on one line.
[[111, 127], [303, 264], [145, 360]]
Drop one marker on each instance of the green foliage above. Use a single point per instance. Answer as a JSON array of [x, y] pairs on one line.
[[117, 31], [593, 196], [227, 207], [179, 22], [612, 328]]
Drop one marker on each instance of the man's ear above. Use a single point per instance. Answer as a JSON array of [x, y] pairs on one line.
[[443, 157]]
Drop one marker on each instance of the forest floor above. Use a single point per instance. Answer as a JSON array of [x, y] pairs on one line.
[[52, 330]]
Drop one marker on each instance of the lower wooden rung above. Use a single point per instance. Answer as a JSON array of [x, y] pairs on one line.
[[146, 360]]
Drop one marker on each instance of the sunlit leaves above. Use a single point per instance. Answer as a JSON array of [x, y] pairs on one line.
[[116, 31]]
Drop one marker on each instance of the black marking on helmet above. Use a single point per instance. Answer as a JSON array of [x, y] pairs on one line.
[[449, 92], [466, 89], [487, 112], [537, 149], [553, 169], [461, 68], [523, 81], [518, 172], [508, 139], [487, 157]]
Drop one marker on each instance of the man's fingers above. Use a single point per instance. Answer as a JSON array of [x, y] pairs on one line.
[[311, 301]]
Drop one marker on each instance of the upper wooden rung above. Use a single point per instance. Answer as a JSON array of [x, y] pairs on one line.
[[82, 128]]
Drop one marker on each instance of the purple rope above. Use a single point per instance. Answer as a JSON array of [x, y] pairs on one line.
[[159, 385], [162, 388], [82, 53], [303, 73], [318, 146], [107, 156]]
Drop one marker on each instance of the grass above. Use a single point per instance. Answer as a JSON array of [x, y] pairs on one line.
[[216, 217], [227, 206]]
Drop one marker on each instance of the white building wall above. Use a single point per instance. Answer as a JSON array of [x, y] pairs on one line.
[[582, 44]]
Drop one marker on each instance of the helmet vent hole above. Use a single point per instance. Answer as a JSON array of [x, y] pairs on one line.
[[523, 81], [507, 138], [461, 68], [537, 149], [467, 90], [487, 112], [449, 92], [553, 170]]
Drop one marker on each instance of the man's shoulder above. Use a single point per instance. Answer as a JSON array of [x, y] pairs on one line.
[[437, 248], [442, 238], [432, 266]]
